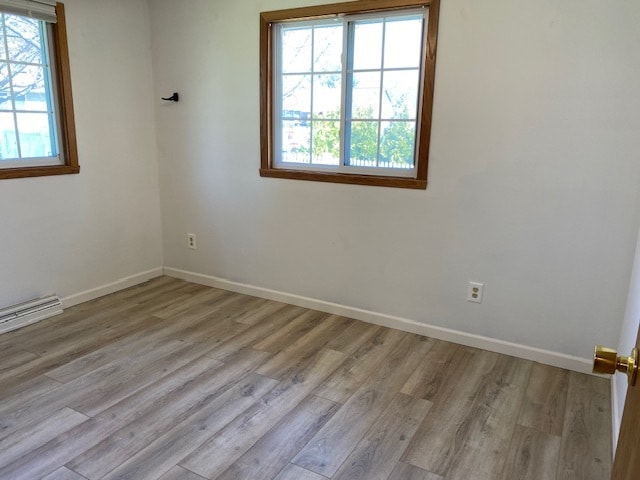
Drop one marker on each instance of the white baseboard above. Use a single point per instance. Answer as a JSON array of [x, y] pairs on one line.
[[582, 365], [112, 287]]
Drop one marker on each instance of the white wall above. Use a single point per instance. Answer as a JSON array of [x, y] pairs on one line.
[[69, 234], [627, 342], [532, 179]]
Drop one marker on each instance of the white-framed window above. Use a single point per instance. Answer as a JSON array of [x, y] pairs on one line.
[[348, 94], [37, 136]]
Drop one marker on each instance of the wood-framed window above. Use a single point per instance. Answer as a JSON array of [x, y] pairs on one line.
[[346, 92], [37, 129]]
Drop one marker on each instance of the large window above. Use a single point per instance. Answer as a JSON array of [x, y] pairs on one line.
[[347, 92], [37, 133]]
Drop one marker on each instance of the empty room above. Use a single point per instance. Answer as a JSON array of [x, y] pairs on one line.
[[319, 239]]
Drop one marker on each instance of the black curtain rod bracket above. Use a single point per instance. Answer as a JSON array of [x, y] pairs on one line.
[[173, 98]]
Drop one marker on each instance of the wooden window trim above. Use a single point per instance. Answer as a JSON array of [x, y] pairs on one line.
[[266, 91], [66, 122]]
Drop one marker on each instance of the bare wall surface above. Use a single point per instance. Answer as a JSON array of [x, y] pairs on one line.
[[72, 233], [532, 179]]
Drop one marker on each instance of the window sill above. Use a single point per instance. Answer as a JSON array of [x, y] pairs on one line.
[[38, 171], [331, 177]]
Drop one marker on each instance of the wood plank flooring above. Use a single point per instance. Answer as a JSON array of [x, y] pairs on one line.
[[171, 380]]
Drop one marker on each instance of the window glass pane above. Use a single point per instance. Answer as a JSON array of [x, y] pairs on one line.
[[397, 144], [367, 48], [400, 94], [296, 50], [403, 43], [29, 88], [296, 96], [296, 142], [326, 143], [5, 87], [363, 144], [327, 96], [366, 95], [23, 39], [35, 135], [328, 49], [3, 50], [8, 141]]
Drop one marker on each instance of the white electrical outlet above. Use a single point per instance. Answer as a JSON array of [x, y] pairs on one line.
[[474, 292], [191, 241]]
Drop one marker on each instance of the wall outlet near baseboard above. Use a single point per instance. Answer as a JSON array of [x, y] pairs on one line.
[[191, 241], [474, 292]]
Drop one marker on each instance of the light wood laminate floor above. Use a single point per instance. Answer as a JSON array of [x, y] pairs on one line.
[[173, 380]]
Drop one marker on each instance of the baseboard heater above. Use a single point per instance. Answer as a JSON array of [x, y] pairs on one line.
[[26, 313]]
